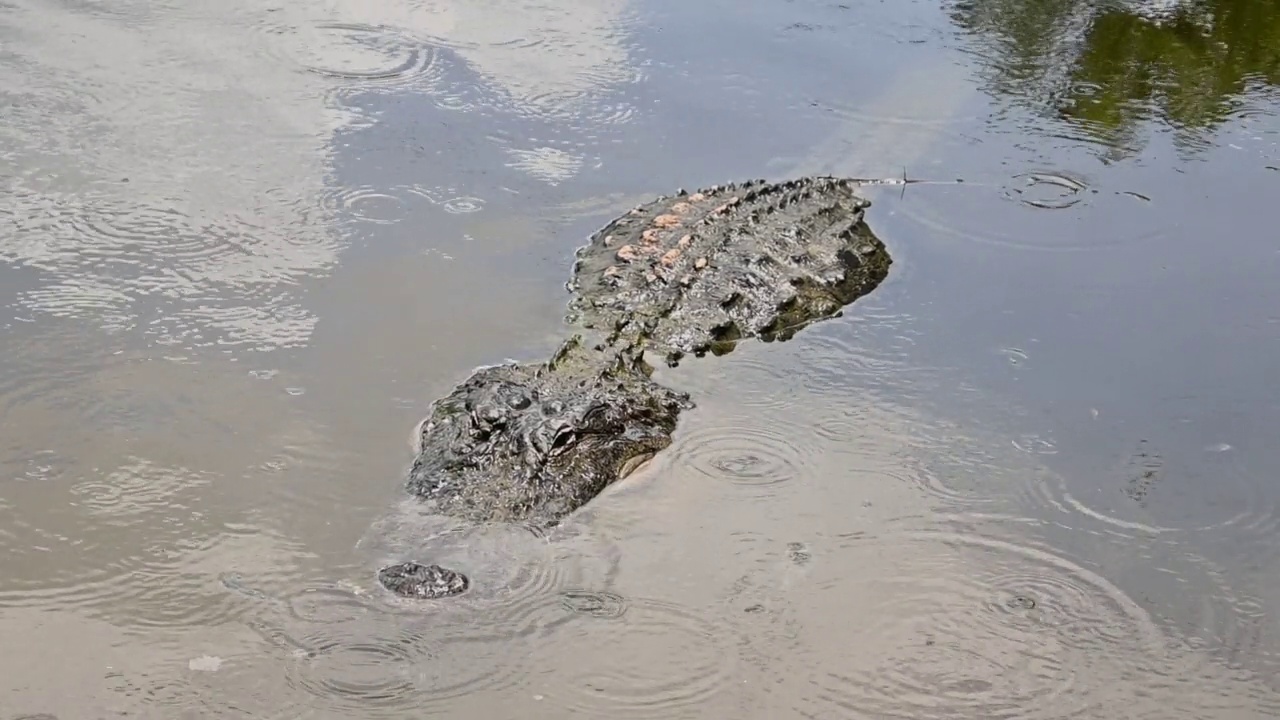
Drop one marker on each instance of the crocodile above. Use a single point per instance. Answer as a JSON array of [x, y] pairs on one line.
[[685, 274]]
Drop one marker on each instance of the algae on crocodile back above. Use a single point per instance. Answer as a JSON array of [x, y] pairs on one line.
[[697, 272]]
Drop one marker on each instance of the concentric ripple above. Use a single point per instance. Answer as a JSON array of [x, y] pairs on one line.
[[581, 108], [871, 415], [1014, 213], [510, 571], [130, 544], [371, 205], [462, 205], [359, 657], [1047, 191], [179, 278], [1137, 486], [957, 625], [136, 488], [549, 164], [605, 605], [372, 675], [393, 204], [654, 661], [158, 586], [371, 55], [513, 570], [870, 355], [319, 603], [217, 674], [525, 588], [756, 451]]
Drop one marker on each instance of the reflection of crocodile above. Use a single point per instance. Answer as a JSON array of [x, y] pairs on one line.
[[688, 274]]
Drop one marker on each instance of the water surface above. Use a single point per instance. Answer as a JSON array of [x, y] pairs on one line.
[[245, 247]]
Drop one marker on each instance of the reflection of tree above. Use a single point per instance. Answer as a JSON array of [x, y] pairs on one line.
[[1107, 67]]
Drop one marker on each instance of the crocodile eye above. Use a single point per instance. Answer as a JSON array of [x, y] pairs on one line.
[[594, 414], [563, 437]]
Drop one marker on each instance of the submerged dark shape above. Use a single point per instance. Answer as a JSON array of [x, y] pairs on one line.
[[697, 272], [689, 274]]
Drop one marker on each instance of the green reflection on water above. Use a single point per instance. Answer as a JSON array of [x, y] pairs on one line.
[[1110, 68]]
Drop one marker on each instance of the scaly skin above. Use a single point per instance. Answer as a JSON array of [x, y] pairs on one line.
[[689, 274], [532, 442], [423, 582], [698, 272]]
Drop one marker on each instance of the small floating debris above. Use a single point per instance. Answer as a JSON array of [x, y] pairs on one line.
[[1131, 193], [205, 663], [798, 552], [1021, 602]]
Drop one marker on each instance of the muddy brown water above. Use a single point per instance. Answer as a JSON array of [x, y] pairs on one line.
[[1033, 475]]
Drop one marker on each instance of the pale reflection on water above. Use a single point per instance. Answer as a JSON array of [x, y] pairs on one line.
[[245, 246]]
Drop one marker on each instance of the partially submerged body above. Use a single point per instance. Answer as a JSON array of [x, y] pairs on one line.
[[690, 274]]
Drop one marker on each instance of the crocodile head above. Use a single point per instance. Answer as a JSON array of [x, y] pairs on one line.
[[532, 442], [599, 442]]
